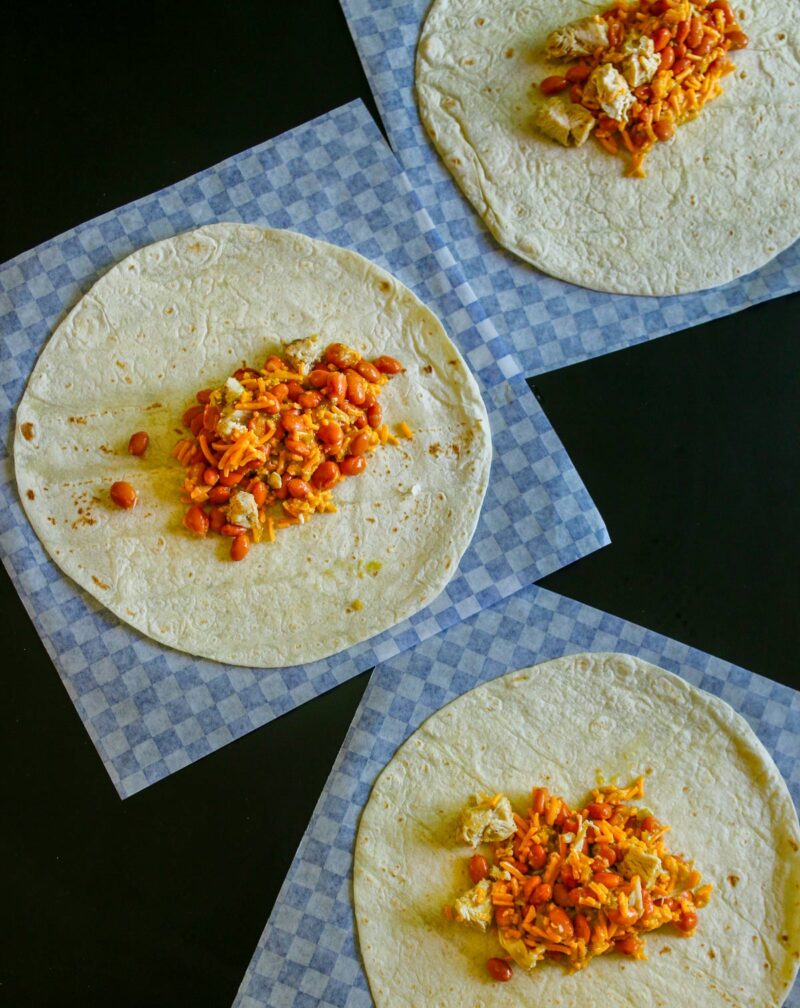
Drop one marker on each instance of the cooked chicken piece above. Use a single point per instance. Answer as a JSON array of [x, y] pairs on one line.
[[487, 819], [638, 861], [242, 509], [642, 62], [519, 951], [569, 124], [302, 353], [610, 90], [475, 906], [579, 38], [232, 422], [233, 390]]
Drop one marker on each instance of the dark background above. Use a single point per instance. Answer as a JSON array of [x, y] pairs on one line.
[[689, 445]]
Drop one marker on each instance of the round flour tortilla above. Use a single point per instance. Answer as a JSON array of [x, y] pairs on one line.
[[559, 724], [181, 315], [720, 198]]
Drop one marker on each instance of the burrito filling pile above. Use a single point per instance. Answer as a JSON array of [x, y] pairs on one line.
[[637, 72], [573, 884], [268, 446]]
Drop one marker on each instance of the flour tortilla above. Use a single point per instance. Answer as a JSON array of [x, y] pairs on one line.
[[181, 315], [558, 724], [720, 198]]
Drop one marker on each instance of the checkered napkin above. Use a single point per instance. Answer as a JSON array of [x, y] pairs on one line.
[[548, 323], [151, 710], [307, 954]]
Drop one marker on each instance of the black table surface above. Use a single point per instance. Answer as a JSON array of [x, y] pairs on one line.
[[689, 445]]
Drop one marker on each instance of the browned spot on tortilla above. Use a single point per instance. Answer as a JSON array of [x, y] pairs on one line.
[[195, 247], [453, 363], [793, 845], [733, 879], [440, 495], [665, 950], [468, 62], [120, 364], [51, 519], [26, 430], [428, 368], [384, 285], [30, 495], [154, 405], [434, 449], [455, 448], [480, 22], [780, 36], [712, 954], [784, 937], [508, 53], [100, 584], [455, 160], [169, 311], [106, 449], [77, 419]]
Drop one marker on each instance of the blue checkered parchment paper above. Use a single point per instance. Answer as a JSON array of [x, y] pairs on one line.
[[548, 323], [148, 709], [307, 955]]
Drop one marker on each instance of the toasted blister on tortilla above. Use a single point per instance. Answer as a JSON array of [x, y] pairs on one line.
[[719, 199], [561, 724], [184, 314]]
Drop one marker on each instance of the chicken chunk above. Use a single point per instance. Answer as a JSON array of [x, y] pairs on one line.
[[579, 38], [232, 390], [301, 353], [610, 90], [569, 124], [232, 422], [522, 955], [243, 510], [642, 62], [638, 861], [487, 819], [475, 906]]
